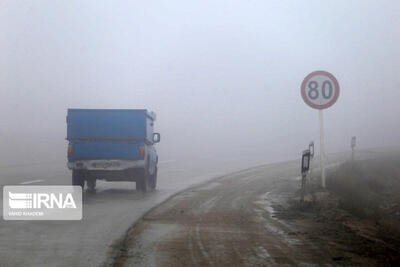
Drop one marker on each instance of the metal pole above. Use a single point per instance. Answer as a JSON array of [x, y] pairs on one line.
[[321, 146]]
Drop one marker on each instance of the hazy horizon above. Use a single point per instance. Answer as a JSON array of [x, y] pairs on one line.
[[223, 77]]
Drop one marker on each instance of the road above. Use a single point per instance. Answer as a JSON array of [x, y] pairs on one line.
[[239, 219], [230, 221], [106, 215]]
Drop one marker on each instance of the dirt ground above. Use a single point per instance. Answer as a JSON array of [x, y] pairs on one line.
[[357, 241], [250, 218]]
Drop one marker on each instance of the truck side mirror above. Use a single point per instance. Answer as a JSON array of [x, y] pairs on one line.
[[156, 137]]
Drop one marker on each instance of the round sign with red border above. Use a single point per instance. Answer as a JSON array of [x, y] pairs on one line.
[[320, 89]]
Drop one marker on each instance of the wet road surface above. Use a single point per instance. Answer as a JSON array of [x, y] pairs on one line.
[[230, 221], [106, 215]]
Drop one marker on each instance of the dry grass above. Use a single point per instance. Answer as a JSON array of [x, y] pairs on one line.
[[370, 189]]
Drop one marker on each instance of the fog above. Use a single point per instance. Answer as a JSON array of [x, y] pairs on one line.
[[223, 76]]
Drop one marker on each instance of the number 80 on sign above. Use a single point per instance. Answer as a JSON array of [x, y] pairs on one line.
[[320, 89]]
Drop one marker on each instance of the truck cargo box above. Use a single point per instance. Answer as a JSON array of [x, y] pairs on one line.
[[108, 133]]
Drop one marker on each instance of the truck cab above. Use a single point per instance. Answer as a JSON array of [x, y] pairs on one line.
[[112, 145]]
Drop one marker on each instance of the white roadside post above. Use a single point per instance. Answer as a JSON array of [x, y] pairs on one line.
[[320, 90], [311, 149], [353, 145]]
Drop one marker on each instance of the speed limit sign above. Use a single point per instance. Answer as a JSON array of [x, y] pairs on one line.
[[320, 89]]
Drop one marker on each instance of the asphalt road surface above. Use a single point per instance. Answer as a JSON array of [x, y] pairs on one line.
[[106, 215]]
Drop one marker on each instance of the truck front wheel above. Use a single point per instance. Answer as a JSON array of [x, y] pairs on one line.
[[77, 178]]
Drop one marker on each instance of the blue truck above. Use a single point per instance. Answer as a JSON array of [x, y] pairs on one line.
[[112, 145]]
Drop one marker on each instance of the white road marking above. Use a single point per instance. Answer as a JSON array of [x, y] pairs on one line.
[[32, 182]]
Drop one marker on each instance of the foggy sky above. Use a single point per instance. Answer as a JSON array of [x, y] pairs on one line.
[[223, 76]]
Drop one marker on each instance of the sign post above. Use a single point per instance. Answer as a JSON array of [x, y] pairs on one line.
[[320, 90], [321, 147]]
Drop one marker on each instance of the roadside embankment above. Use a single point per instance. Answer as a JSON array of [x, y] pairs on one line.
[[360, 209]]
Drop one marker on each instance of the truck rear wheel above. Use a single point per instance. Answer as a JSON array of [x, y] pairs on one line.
[[77, 178], [153, 180], [91, 184], [143, 183]]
